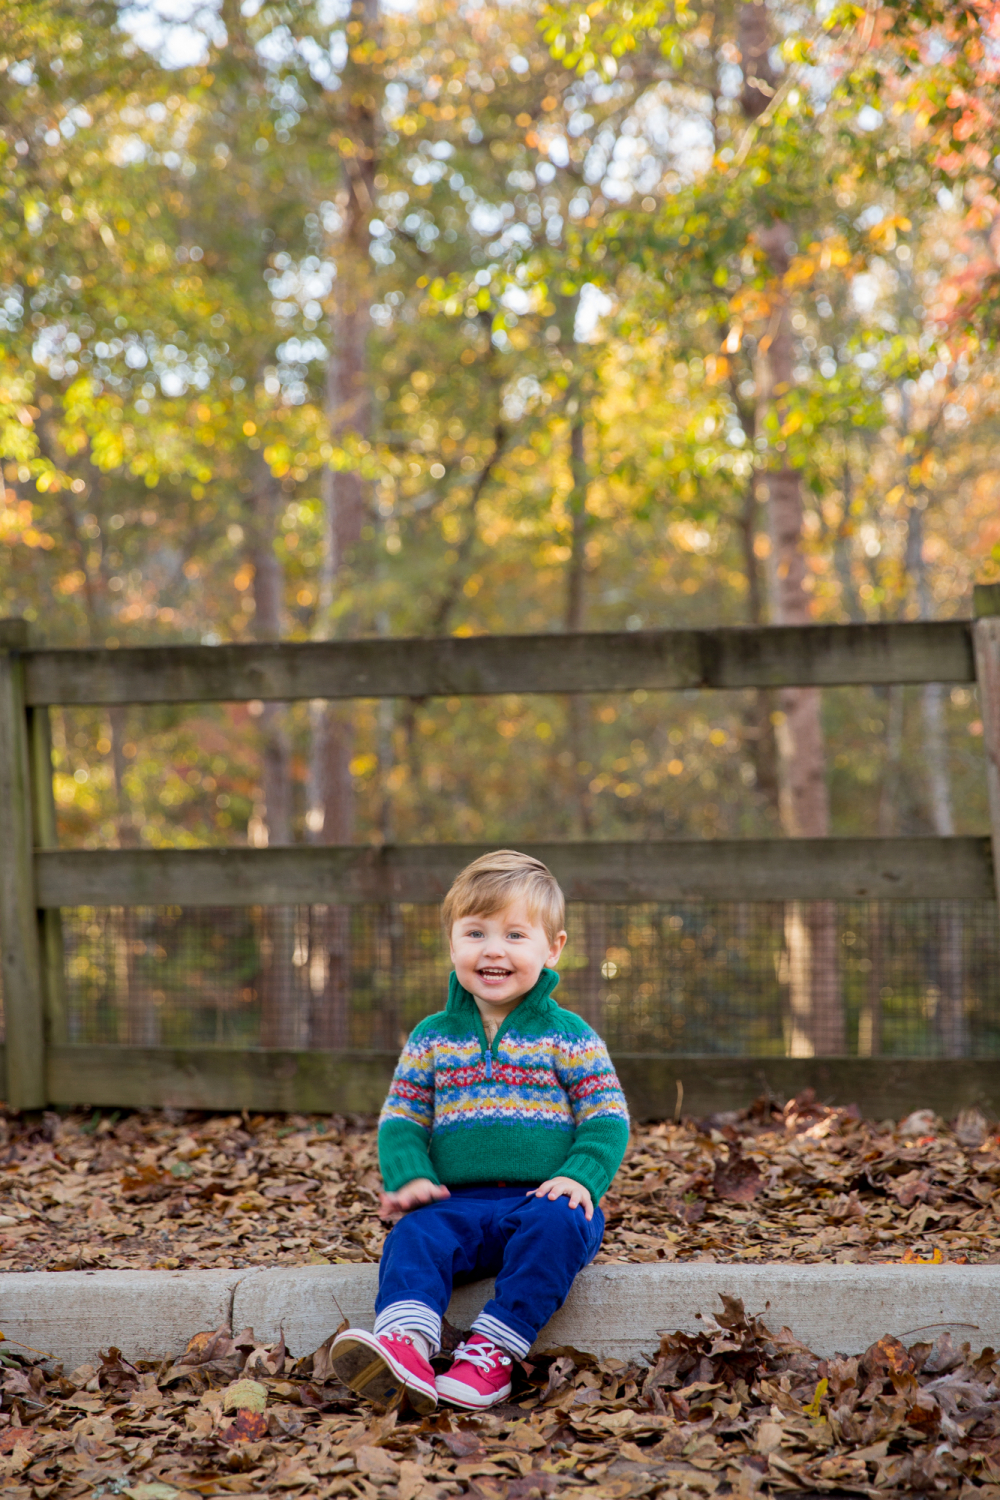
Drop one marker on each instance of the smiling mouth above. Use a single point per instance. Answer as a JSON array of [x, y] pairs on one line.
[[491, 973]]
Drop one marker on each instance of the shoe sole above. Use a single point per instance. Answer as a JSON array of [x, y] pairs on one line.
[[368, 1373], [460, 1395]]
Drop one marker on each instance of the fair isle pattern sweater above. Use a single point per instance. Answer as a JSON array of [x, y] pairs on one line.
[[542, 1100]]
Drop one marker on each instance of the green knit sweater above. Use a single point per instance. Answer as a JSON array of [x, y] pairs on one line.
[[542, 1101]]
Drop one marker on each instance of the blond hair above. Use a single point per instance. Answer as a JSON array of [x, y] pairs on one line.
[[493, 881]]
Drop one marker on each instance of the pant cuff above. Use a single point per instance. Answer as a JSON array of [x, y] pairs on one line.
[[502, 1334], [411, 1315]]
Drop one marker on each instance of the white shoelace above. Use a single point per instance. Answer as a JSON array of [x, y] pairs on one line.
[[485, 1357]]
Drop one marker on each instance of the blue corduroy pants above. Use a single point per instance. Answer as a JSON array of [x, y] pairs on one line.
[[534, 1248]]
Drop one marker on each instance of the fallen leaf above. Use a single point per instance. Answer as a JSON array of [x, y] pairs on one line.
[[376, 1464], [116, 1373], [248, 1427], [269, 1359], [244, 1395], [11, 1437], [737, 1180], [886, 1357]]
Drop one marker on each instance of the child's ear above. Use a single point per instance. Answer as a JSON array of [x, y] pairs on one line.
[[558, 944]]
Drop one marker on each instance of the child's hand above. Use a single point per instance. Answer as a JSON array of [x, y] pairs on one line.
[[565, 1187], [410, 1195]]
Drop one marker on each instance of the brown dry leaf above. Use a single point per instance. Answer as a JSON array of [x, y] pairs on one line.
[[885, 1358], [248, 1426], [116, 1374], [13, 1437], [377, 1464], [207, 1346], [269, 1359], [737, 1180]]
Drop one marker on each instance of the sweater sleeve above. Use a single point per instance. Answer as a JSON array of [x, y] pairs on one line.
[[587, 1074], [404, 1127]]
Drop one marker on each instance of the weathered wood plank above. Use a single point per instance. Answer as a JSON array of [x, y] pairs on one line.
[[19, 932], [726, 870], [219, 1078], [356, 1082], [882, 1087], [775, 656]]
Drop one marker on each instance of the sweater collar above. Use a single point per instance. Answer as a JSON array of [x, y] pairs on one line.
[[460, 1000]]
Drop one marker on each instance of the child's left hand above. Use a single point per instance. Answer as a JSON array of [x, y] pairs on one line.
[[565, 1187]]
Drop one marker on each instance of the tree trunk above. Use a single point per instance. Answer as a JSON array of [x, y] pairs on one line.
[[128, 833], [268, 592], [950, 1019], [389, 919], [755, 44], [577, 503], [577, 715], [936, 753], [870, 1019], [391, 977], [330, 815], [591, 982], [842, 554], [818, 1025], [888, 806], [330, 926], [278, 1010], [816, 1002], [758, 719], [348, 412], [142, 1018]]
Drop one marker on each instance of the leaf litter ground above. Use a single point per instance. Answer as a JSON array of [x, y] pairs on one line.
[[738, 1409]]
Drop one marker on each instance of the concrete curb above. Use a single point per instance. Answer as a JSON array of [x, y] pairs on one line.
[[612, 1310], [147, 1314]]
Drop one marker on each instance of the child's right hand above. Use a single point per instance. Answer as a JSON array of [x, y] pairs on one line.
[[410, 1195]]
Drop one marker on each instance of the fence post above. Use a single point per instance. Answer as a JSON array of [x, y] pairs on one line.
[[43, 816], [986, 636], [19, 946]]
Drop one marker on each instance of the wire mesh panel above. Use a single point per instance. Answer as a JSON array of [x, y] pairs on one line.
[[897, 978]]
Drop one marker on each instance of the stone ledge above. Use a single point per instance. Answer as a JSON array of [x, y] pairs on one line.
[[612, 1310], [147, 1314]]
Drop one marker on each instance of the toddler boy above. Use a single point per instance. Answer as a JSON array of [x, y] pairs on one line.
[[504, 1126]]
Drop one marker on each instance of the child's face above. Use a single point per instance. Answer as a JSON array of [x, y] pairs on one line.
[[499, 958]]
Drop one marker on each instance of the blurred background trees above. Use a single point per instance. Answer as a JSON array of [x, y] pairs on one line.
[[323, 319]]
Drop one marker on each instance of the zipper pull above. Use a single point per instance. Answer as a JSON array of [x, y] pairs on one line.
[[489, 1063]]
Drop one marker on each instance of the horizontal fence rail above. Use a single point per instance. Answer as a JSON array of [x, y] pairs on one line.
[[722, 870], [321, 1082], [770, 656]]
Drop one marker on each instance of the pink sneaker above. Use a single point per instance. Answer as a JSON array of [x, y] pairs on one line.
[[480, 1375], [378, 1368]]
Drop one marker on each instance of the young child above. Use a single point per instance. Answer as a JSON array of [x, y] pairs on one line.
[[504, 1125]]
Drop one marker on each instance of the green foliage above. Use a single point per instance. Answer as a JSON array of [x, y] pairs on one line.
[[175, 255]]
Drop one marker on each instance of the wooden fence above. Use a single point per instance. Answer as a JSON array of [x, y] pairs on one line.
[[37, 878]]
